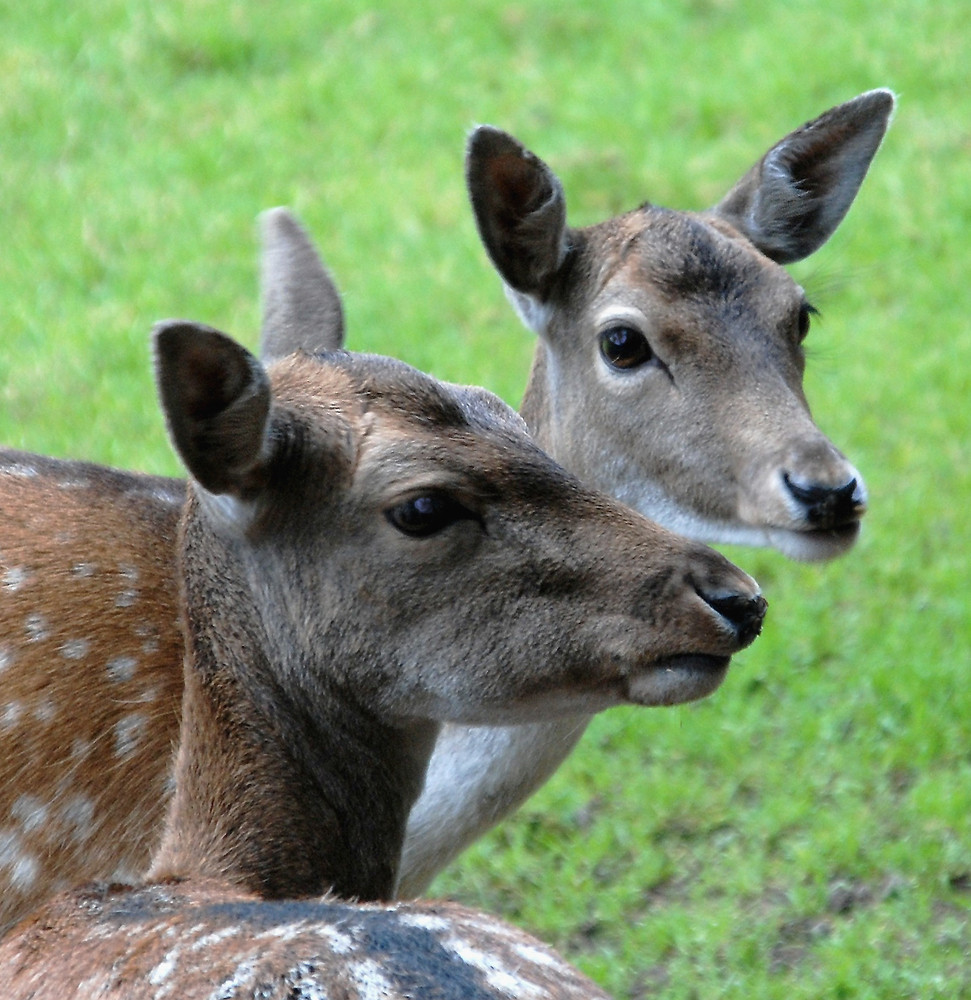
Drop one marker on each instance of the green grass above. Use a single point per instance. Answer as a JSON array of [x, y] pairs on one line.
[[804, 833]]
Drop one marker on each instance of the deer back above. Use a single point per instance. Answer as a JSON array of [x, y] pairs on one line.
[[185, 943]]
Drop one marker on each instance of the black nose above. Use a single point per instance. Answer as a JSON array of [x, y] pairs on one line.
[[745, 614], [829, 506]]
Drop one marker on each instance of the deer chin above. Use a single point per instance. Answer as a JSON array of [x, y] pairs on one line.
[[814, 544], [678, 679], [801, 543]]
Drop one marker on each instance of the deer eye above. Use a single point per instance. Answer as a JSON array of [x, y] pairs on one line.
[[427, 514], [806, 312], [624, 347]]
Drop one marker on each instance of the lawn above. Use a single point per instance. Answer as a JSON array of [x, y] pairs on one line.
[[804, 833]]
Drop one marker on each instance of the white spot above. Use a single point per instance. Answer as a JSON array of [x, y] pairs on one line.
[[496, 976], [23, 872], [126, 598], [10, 714], [164, 969], [36, 627], [76, 815], [150, 646], [20, 470], [22, 866], [340, 943], [230, 988], [121, 668], [537, 956], [128, 731], [425, 921], [6, 658], [14, 578], [208, 940], [45, 710], [75, 649], [371, 982], [83, 570], [130, 573], [303, 981], [80, 749], [31, 811]]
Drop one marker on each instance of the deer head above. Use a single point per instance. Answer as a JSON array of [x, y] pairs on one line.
[[368, 551], [670, 361], [365, 554]]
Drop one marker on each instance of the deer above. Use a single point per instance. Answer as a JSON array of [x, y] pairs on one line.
[[668, 372], [365, 553]]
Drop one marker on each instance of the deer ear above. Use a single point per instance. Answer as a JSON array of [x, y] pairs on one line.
[[520, 211], [301, 305], [216, 400], [792, 200]]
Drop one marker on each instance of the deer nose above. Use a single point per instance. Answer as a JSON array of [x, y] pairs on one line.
[[744, 613], [828, 506]]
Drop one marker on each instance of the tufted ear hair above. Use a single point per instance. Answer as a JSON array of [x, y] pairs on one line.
[[301, 304], [792, 200], [216, 399]]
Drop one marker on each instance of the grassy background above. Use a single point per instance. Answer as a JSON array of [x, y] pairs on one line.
[[807, 831]]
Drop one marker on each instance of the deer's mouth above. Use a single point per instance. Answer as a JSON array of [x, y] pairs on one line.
[[677, 679], [815, 544]]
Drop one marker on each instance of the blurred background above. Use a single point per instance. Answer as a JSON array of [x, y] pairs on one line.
[[805, 832]]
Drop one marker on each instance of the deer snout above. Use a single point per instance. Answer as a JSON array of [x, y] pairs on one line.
[[826, 506], [730, 593], [742, 612]]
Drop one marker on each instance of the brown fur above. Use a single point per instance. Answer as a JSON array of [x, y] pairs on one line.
[[326, 641], [720, 313]]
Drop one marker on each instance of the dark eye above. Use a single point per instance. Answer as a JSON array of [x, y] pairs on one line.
[[624, 347], [425, 515], [806, 312]]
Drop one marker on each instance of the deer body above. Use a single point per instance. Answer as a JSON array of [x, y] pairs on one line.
[[668, 372], [333, 500], [86, 697], [169, 942]]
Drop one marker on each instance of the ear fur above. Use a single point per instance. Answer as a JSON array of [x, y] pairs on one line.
[[792, 200], [301, 304], [520, 211], [216, 399]]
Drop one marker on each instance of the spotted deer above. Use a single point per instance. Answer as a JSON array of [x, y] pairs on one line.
[[668, 372], [364, 554]]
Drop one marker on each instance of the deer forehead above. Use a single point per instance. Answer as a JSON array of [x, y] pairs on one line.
[[690, 264], [389, 390], [400, 429]]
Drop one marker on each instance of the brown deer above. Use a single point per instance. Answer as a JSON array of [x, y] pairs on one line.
[[668, 372], [364, 554]]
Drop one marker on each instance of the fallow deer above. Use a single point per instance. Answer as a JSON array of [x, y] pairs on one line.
[[668, 371], [364, 554]]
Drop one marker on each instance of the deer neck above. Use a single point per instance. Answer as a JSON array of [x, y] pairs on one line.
[[283, 789], [536, 405]]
